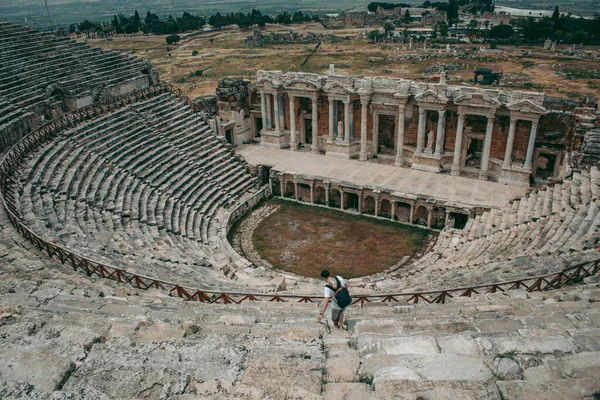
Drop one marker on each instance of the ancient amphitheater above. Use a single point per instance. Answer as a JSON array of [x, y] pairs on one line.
[[117, 279]]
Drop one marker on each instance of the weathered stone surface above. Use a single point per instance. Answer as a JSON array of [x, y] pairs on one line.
[[237, 319], [411, 389], [459, 344], [431, 367], [284, 381], [44, 371], [348, 391], [342, 365], [507, 369], [409, 345], [528, 345], [553, 390]]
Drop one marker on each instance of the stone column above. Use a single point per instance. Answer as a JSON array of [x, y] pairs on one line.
[[296, 190], [429, 216], [263, 110], [341, 198], [332, 123], [421, 129], [346, 120], [327, 195], [293, 140], [281, 112], [439, 140], [269, 124], [312, 194], [487, 145], [363, 130], [509, 143], [281, 187], [393, 209], [375, 132], [531, 144], [360, 203], [276, 112], [412, 213], [315, 125], [400, 137], [458, 144], [376, 205], [446, 220]]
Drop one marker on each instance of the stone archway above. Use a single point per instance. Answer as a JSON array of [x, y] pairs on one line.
[[386, 209], [403, 212], [335, 198], [369, 206], [290, 190], [320, 195], [421, 216]]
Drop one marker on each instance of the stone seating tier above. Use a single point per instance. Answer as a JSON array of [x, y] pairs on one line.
[[34, 64], [125, 189]]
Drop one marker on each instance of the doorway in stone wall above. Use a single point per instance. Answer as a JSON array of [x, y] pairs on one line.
[[472, 152], [387, 128], [545, 165], [229, 136], [308, 136], [351, 201], [258, 125]]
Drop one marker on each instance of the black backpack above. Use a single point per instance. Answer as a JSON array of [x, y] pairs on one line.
[[342, 296]]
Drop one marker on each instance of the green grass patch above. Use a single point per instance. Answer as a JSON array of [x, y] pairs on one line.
[[304, 240]]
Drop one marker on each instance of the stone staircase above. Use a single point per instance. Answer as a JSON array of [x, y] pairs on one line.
[[522, 346]]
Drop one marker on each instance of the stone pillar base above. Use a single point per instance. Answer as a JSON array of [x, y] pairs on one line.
[[362, 156], [399, 161], [343, 149], [426, 162], [278, 140], [483, 176], [455, 171], [514, 175]]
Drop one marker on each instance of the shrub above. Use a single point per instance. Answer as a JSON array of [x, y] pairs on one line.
[[195, 53], [172, 39]]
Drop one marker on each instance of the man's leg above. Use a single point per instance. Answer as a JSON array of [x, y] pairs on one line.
[[341, 320], [335, 316]]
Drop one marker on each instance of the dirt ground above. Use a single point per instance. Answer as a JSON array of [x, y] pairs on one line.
[[305, 240], [224, 53]]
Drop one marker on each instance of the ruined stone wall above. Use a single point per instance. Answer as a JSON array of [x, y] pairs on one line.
[[232, 95]]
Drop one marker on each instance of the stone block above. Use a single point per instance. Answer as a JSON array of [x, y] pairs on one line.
[[395, 387], [444, 367], [560, 389], [526, 345], [44, 371], [348, 391], [236, 319], [458, 344], [409, 345]]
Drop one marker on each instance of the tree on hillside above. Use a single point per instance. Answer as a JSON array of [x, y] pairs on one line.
[[171, 39], [473, 24], [555, 14], [389, 27], [501, 31], [406, 17], [443, 29], [452, 14]]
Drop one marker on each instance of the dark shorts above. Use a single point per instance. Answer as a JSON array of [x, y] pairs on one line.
[[335, 314]]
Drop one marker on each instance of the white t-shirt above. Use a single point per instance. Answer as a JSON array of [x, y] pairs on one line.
[[331, 293]]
